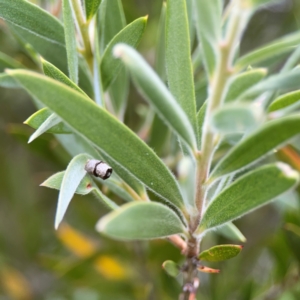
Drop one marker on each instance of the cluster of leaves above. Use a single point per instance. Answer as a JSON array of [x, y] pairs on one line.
[[222, 141]]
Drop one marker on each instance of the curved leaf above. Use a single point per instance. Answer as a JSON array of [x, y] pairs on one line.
[[230, 231], [91, 7], [275, 48], [70, 40], [71, 180], [208, 23], [242, 82], [95, 124], [130, 35], [248, 193], [255, 146], [284, 101], [85, 187], [152, 88], [178, 58], [220, 252], [139, 221], [171, 268]]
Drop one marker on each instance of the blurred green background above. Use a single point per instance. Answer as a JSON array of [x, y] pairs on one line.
[[36, 262]]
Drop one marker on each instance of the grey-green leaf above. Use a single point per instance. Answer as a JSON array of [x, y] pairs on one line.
[[220, 252], [39, 117], [200, 122], [178, 58], [153, 89], [271, 135], [51, 121], [53, 72], [71, 180], [85, 187], [95, 124], [230, 231], [91, 7], [275, 48], [208, 25], [130, 35], [248, 193], [140, 221], [284, 101], [237, 118], [8, 62], [70, 39], [243, 81]]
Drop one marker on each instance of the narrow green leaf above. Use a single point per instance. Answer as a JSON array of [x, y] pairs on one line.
[[130, 35], [178, 58], [171, 268], [139, 221], [220, 252], [200, 122], [71, 180], [230, 231], [152, 88], [33, 19], [275, 48], [39, 117], [8, 62], [70, 40], [53, 72], [282, 81], [243, 81], [91, 7], [85, 187], [271, 135], [112, 21], [249, 192], [34, 26], [208, 21], [51, 121], [94, 124], [237, 118], [284, 101]]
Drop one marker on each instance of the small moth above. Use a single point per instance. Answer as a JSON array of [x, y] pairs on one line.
[[98, 168]]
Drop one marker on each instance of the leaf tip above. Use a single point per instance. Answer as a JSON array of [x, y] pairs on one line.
[[288, 171]]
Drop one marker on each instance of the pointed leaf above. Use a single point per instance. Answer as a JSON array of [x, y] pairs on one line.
[[51, 121], [53, 72], [208, 25], [284, 101], [95, 124], [220, 252], [271, 135], [243, 81], [139, 221], [248, 193], [237, 118], [27, 15], [275, 48], [200, 122], [43, 32], [91, 7], [152, 88], [130, 35], [70, 40], [85, 187], [178, 58], [39, 117], [282, 81], [71, 180], [230, 231], [171, 268]]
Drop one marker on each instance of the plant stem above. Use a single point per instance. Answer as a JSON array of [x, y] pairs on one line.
[[83, 27], [205, 155]]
